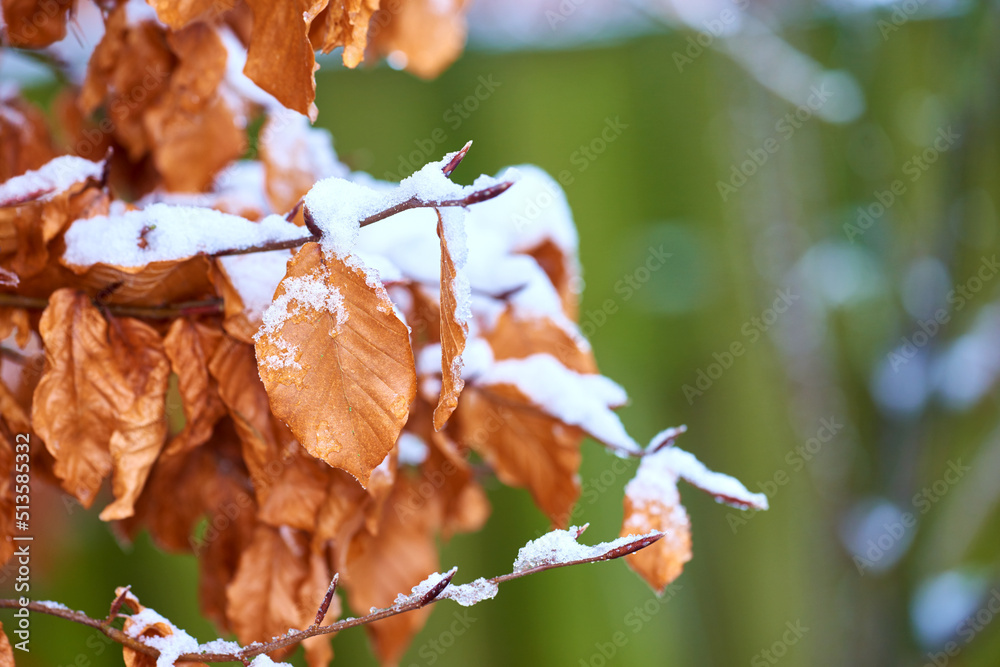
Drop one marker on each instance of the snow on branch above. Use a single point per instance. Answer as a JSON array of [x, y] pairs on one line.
[[558, 548]]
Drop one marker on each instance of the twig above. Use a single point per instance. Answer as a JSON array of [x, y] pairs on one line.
[[413, 202], [166, 312], [293, 638]]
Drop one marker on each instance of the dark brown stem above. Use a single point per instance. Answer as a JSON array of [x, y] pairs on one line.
[[166, 312], [294, 638]]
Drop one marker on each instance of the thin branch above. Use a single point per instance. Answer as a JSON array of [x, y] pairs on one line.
[[165, 312], [244, 655], [413, 202]]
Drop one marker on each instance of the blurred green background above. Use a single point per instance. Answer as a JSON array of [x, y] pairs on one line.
[[834, 557]]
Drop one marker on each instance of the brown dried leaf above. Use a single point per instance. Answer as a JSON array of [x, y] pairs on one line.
[[179, 13], [12, 319], [523, 445], [379, 567], [193, 131], [25, 143], [662, 562], [185, 485], [464, 506], [31, 226], [342, 513], [100, 405], [338, 368], [235, 370], [344, 23], [6, 500], [431, 34], [515, 338], [34, 24], [127, 72], [190, 346], [454, 332], [299, 489], [279, 584], [563, 271], [280, 57], [156, 283]]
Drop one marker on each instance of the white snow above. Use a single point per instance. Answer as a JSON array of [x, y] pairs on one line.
[[655, 481], [301, 293], [219, 646], [263, 661], [578, 399], [471, 593], [560, 546], [453, 227], [338, 205], [292, 144], [256, 276], [464, 594], [48, 604], [170, 647], [52, 178], [412, 449], [423, 587], [172, 233]]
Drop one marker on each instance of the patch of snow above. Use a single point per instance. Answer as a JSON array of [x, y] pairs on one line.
[[263, 661], [423, 587], [170, 647], [656, 478], [170, 233], [256, 276], [52, 178], [560, 546], [471, 593], [578, 399], [219, 646], [338, 205], [301, 292]]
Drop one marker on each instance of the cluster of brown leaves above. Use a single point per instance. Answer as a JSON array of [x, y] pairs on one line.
[[275, 479], [276, 476]]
